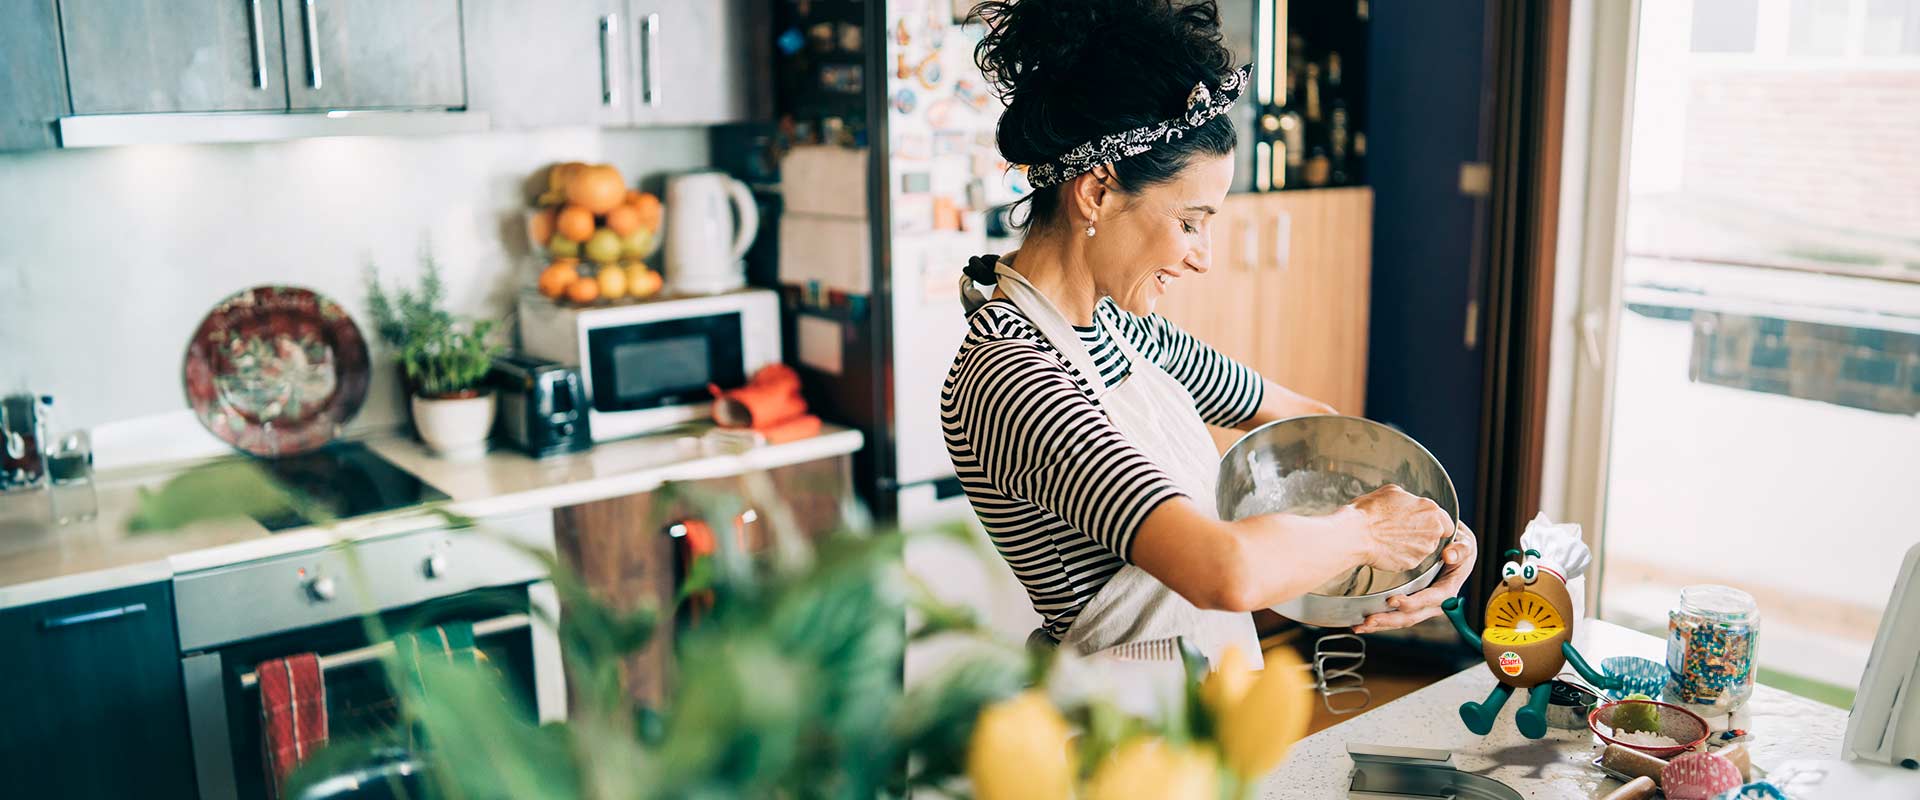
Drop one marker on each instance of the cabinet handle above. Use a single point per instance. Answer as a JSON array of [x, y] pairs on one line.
[[259, 46], [650, 59], [1249, 246], [609, 32], [1282, 240], [313, 47], [92, 616]]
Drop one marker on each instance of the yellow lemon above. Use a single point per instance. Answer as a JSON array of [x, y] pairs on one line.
[[1019, 751], [613, 283], [1257, 730], [1144, 768]]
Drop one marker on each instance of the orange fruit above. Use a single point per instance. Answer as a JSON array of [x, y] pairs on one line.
[[624, 220], [559, 275], [597, 188], [649, 208], [583, 291], [559, 174], [642, 282], [575, 223], [540, 225], [633, 198]]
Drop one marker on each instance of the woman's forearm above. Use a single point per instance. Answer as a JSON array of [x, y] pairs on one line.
[[1250, 564], [1279, 402]]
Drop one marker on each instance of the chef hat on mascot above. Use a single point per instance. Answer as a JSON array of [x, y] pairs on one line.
[[1559, 544]]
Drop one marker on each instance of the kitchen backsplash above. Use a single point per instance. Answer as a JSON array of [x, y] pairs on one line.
[[110, 257]]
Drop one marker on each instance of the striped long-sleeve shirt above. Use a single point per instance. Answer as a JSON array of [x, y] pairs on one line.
[[1059, 489]]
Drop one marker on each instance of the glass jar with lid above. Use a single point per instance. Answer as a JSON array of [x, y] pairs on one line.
[[1712, 641]]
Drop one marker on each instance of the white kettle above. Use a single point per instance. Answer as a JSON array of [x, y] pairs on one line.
[[704, 244]]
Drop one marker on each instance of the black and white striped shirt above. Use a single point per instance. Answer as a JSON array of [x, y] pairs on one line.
[[1059, 489]]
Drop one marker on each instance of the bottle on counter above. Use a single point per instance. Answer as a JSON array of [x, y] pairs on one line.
[[1712, 640]]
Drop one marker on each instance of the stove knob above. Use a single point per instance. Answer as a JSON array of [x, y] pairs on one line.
[[436, 566], [320, 587]]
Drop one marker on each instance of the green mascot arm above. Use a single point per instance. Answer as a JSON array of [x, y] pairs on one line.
[[1588, 673], [1459, 620]]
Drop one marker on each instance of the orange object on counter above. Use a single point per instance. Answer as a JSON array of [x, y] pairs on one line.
[[770, 399], [804, 426]]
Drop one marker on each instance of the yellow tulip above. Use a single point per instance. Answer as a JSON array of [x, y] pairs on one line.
[[1228, 682], [1151, 768], [1020, 751], [1257, 729]]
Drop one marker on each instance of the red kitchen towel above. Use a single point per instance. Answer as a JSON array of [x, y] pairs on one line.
[[293, 714]]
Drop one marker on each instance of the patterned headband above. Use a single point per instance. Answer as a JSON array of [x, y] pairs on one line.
[[1202, 104]]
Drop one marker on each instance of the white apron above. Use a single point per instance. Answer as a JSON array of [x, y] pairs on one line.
[[1135, 616]]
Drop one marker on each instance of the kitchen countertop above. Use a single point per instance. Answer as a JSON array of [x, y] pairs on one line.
[[1783, 727], [40, 561]]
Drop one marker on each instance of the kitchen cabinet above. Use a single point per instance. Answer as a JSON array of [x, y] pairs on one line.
[[565, 62], [141, 56], [612, 63], [35, 90], [694, 61], [621, 549], [370, 54], [1288, 292], [93, 701]]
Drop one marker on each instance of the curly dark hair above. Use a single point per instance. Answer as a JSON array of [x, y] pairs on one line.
[[1071, 71]]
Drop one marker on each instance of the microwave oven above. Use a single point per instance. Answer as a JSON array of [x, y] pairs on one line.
[[647, 365]]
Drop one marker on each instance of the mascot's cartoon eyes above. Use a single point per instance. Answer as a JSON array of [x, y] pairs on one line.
[[1525, 570], [1529, 573], [1511, 569]]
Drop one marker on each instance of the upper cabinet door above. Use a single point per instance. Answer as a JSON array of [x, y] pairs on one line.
[[369, 54], [552, 63], [34, 92], [693, 61], [136, 56]]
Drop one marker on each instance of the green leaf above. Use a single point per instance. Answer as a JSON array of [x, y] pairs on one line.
[[215, 491]]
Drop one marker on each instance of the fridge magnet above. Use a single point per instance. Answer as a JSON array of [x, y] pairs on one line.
[[939, 113], [913, 147], [916, 182], [946, 214], [820, 36], [930, 71], [902, 35], [972, 93], [905, 101], [950, 143]]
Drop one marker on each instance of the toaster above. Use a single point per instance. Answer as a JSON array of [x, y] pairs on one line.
[[543, 406]]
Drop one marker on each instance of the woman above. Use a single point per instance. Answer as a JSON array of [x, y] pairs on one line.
[[1075, 418]]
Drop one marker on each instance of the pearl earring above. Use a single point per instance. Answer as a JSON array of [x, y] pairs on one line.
[[1089, 230]]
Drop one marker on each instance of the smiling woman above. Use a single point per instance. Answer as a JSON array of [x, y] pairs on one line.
[[1076, 417]]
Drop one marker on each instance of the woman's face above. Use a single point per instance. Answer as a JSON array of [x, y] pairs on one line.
[[1149, 240]]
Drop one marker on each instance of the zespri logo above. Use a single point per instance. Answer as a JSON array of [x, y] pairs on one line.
[[1511, 664]]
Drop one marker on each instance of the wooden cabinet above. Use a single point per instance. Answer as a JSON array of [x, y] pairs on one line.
[[144, 56], [548, 64], [624, 552], [34, 91], [1288, 292], [367, 54], [93, 701]]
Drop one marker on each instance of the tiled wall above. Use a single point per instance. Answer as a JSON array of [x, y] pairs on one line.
[[110, 257], [1866, 368]]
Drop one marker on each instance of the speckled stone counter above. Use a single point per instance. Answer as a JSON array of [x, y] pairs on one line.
[[1784, 727]]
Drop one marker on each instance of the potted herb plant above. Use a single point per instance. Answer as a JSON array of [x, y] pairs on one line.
[[445, 360]]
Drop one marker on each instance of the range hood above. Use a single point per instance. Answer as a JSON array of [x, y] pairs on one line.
[[105, 130]]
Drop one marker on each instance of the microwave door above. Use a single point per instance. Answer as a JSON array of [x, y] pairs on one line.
[[648, 375]]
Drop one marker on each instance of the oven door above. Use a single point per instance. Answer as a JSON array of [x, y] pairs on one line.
[[643, 366], [224, 703]]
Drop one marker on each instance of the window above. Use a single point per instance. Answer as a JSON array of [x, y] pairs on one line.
[[1818, 28], [1724, 26], [1893, 28]]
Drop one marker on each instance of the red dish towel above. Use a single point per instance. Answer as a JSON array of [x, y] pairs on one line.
[[293, 714]]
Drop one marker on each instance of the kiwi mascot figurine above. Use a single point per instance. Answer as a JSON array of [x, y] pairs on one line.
[[1529, 637]]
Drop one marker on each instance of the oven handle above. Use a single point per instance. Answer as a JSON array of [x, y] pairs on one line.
[[361, 655]]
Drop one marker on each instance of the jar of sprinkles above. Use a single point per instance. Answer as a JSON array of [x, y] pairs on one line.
[[1711, 643]]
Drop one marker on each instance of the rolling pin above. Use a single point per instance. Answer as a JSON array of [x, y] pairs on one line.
[[1629, 761], [1640, 788]]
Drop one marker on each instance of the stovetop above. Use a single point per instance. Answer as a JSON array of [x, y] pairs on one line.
[[340, 481]]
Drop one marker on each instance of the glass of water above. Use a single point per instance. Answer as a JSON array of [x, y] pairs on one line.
[[70, 478]]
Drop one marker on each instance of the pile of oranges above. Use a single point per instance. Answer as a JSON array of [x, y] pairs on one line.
[[587, 212]]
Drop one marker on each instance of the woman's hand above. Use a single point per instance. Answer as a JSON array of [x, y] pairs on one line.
[[1415, 608], [1402, 528]]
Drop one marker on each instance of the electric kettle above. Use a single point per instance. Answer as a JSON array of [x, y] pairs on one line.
[[705, 245]]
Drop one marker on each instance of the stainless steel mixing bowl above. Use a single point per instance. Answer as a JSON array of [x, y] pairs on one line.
[[1311, 465]]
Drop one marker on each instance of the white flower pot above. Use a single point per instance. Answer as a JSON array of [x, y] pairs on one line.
[[454, 428]]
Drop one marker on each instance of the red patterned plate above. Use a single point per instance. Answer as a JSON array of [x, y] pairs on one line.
[[276, 370]]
